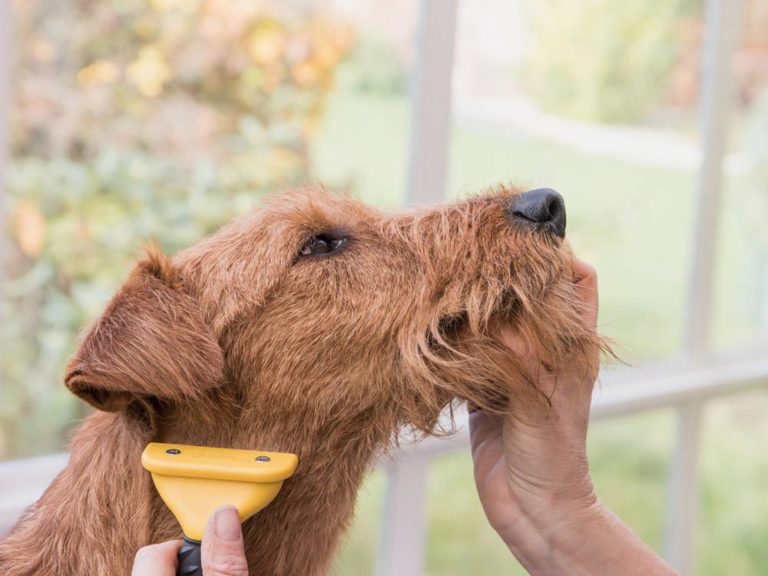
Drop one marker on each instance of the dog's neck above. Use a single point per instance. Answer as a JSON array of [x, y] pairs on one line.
[[299, 532], [103, 507], [94, 515]]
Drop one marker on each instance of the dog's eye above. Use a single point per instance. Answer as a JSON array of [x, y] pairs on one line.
[[323, 244]]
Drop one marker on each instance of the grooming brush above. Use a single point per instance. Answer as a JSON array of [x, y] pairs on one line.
[[194, 481]]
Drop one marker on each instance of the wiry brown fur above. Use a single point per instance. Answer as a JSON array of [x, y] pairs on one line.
[[238, 342]]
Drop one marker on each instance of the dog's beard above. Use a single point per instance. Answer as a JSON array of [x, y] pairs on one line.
[[460, 357]]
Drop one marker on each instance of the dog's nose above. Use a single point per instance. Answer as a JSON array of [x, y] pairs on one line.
[[542, 207]]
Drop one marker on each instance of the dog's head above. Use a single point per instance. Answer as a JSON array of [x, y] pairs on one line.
[[320, 307]]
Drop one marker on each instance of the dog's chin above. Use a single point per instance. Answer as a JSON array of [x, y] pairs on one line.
[[455, 328], [507, 308], [451, 328]]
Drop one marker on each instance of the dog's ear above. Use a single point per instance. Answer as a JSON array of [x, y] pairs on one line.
[[150, 344]]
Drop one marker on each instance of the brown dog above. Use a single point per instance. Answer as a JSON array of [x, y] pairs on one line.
[[315, 326]]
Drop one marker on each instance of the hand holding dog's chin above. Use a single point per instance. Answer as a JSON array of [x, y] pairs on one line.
[[533, 478], [541, 444], [532, 473]]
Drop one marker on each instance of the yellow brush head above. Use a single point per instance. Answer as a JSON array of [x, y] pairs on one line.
[[195, 480]]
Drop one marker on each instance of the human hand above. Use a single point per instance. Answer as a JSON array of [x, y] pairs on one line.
[[532, 473], [223, 552], [531, 465]]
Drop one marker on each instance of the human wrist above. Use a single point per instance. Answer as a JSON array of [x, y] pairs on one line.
[[585, 541], [553, 537]]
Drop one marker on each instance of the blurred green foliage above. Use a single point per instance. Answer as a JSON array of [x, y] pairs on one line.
[[153, 119], [600, 59], [375, 68]]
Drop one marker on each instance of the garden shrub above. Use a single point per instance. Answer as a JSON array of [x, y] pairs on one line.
[[131, 121]]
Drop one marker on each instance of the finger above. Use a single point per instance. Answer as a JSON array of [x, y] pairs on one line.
[[223, 552], [583, 270], [157, 559], [483, 426], [520, 347], [485, 433], [585, 282], [523, 351]]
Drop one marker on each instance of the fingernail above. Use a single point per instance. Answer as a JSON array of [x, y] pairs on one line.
[[227, 524]]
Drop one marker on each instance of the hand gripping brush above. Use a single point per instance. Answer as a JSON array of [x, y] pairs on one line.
[[194, 481]]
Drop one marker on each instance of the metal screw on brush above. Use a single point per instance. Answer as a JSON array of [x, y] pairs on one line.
[[173, 451], [263, 458]]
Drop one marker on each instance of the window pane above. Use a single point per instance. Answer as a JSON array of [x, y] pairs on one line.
[[629, 459], [363, 137], [459, 539], [741, 304], [733, 514], [358, 553]]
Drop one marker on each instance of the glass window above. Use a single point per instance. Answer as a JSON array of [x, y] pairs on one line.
[[633, 481], [361, 543], [733, 510], [741, 299], [362, 141], [459, 539], [133, 120]]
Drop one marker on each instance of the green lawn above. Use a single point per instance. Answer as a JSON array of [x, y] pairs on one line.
[[634, 223]]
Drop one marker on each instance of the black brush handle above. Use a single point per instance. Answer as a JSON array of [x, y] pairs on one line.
[[190, 563]]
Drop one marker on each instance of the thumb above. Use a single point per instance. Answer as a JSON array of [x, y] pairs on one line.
[[223, 552]]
